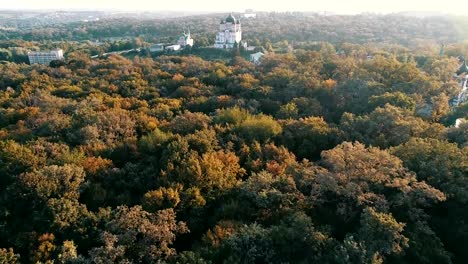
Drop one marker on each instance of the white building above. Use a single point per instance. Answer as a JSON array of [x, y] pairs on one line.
[[462, 78], [175, 47], [45, 57], [255, 58], [249, 13], [230, 33], [185, 40], [157, 48], [460, 121]]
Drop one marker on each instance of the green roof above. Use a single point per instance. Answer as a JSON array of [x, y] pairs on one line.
[[231, 19]]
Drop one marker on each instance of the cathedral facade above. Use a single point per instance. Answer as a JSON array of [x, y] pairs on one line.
[[185, 40], [230, 33]]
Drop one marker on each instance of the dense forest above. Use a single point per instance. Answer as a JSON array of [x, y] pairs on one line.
[[318, 155], [394, 28]]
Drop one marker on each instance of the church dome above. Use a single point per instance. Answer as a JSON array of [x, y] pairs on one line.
[[231, 19]]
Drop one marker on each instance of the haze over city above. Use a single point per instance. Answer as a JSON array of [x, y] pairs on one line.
[[337, 6]]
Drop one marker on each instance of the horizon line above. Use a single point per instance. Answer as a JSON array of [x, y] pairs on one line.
[[224, 11]]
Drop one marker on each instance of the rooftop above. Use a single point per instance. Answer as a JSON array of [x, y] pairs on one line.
[[231, 19]]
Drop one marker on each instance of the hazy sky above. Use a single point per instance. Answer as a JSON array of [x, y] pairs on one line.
[[340, 6]]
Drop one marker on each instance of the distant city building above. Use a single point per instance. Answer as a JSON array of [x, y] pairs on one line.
[[45, 57], [230, 33], [249, 13], [157, 48], [185, 40], [96, 43], [255, 58]]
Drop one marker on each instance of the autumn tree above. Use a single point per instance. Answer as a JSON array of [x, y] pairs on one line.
[[136, 235], [387, 126], [444, 166]]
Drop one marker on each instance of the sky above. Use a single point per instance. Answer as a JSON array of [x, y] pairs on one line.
[[337, 6]]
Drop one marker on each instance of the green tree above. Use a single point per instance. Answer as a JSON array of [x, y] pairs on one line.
[[260, 127], [388, 126], [307, 137], [232, 116], [288, 111], [397, 99]]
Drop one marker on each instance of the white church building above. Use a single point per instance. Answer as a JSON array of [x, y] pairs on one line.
[[185, 40], [462, 77], [230, 33]]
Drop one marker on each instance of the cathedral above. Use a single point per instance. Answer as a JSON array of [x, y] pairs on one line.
[[185, 40], [230, 33]]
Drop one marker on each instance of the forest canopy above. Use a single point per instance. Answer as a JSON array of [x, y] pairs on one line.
[[341, 150]]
